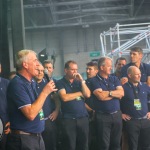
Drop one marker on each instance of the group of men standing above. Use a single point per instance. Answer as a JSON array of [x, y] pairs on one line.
[[35, 104]]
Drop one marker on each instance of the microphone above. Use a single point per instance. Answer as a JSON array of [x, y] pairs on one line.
[[46, 75], [48, 79]]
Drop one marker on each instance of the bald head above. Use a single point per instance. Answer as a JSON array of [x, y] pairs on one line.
[[134, 74]]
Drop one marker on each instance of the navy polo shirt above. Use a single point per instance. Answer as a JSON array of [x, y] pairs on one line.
[[49, 105], [127, 102], [108, 84], [3, 100], [20, 93], [90, 101], [114, 74], [75, 108], [144, 68]]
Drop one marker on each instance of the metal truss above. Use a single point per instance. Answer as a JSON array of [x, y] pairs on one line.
[[118, 40], [42, 14]]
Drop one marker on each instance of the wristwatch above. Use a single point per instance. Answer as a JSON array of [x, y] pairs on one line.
[[83, 81], [110, 93]]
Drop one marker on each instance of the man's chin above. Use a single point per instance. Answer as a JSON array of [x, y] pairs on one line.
[[133, 62]]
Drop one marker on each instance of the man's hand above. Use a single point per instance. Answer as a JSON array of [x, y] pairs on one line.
[[54, 115], [126, 117], [7, 128], [78, 77], [148, 115], [123, 80], [49, 88]]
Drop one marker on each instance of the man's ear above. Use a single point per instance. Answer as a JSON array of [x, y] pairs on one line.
[[25, 65], [96, 71], [65, 70], [129, 75], [141, 55], [101, 67]]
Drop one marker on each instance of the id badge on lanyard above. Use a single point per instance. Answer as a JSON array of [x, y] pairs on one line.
[[41, 114], [137, 104]]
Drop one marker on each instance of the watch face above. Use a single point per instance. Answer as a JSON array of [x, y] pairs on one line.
[[109, 93]]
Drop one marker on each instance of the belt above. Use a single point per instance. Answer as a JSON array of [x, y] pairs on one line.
[[108, 113], [145, 117], [25, 133], [113, 112]]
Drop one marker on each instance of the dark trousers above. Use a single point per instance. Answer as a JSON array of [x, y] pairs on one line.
[[4, 136], [75, 133], [3, 142], [92, 133], [50, 135], [138, 131], [24, 142], [109, 129]]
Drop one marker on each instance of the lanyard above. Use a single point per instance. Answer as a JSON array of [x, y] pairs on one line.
[[135, 90], [104, 82]]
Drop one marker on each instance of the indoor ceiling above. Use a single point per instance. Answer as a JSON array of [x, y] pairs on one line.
[[85, 13]]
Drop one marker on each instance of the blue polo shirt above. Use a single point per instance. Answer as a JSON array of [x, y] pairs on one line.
[[3, 100], [127, 102], [90, 101], [75, 108], [108, 84], [20, 93], [144, 68], [49, 105], [114, 74]]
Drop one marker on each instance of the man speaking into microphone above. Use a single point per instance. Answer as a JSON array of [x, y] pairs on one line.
[[25, 105]]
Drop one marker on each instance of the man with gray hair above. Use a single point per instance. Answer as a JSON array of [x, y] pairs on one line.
[[107, 91], [25, 105]]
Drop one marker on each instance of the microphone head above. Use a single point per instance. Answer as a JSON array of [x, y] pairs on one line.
[[45, 71]]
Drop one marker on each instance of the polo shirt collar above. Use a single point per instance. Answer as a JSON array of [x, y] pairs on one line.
[[23, 78], [101, 78], [131, 84], [141, 64], [67, 80]]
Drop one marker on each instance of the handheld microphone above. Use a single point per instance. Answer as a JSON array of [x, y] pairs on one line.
[[46, 75], [48, 79]]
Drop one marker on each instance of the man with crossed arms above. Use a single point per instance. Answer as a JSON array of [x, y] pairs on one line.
[[108, 92]]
